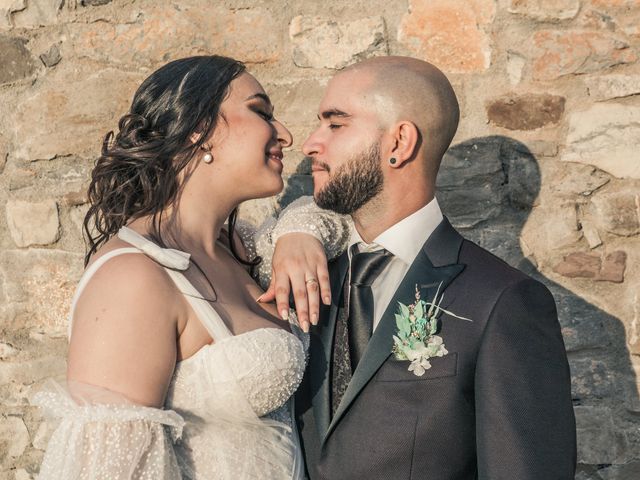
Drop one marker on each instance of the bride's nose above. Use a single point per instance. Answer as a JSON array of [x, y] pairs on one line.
[[284, 136]]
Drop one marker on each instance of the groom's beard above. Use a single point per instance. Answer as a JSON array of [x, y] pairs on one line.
[[354, 183]]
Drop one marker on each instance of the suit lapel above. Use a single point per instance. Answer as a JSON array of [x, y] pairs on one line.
[[433, 266], [320, 366]]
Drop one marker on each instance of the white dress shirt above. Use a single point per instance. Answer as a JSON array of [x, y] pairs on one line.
[[404, 240]]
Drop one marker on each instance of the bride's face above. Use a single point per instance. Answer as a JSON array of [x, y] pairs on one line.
[[247, 142]]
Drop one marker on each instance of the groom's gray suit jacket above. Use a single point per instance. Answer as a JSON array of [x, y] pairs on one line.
[[497, 406]]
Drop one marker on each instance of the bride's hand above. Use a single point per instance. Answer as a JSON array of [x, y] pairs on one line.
[[299, 265]]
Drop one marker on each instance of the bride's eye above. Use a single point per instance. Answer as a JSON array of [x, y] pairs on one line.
[[264, 114]]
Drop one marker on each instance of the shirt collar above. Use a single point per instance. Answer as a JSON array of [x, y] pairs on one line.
[[404, 239]]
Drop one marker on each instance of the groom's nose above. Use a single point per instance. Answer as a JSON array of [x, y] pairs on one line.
[[312, 145]]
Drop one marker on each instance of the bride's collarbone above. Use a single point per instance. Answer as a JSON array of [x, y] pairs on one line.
[[232, 292]]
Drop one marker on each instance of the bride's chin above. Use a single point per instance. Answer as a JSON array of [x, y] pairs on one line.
[[272, 190]]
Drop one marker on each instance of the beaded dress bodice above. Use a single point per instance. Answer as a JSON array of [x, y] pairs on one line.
[[229, 385]]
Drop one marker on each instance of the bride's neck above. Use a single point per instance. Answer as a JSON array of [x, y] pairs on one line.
[[191, 226]]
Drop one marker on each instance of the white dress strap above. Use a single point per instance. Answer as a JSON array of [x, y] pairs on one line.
[[173, 262]]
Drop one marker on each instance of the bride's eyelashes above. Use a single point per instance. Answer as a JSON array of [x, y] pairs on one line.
[[263, 112]]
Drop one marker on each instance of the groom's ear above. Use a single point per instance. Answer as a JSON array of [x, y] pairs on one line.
[[406, 142]]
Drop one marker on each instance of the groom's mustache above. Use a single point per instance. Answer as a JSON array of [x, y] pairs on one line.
[[317, 165]]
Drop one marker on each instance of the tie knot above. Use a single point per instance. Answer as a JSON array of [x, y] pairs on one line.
[[366, 266]]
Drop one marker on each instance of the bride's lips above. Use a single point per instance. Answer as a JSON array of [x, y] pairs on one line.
[[275, 155]]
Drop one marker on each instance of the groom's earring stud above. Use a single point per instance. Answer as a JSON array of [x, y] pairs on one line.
[[392, 160]]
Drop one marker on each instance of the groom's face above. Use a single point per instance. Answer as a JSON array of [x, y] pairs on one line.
[[345, 147]]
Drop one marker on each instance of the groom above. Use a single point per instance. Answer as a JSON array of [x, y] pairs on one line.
[[493, 401]]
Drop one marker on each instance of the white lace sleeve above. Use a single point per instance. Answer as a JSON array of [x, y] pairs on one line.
[[301, 216], [120, 441]]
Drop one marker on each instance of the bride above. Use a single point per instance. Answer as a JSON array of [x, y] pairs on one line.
[[174, 369]]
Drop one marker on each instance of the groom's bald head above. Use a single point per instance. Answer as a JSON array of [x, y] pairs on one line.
[[408, 89]]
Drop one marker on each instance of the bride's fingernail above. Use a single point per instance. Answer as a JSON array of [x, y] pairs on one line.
[[305, 327], [327, 300], [259, 298], [284, 314], [314, 319]]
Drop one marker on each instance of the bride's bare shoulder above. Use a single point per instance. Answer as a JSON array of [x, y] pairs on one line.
[[125, 327]]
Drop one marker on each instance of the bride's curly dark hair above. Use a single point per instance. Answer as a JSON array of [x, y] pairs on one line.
[[137, 173]]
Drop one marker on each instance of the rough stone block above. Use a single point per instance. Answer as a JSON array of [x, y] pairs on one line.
[[571, 179], [632, 393], [38, 13], [322, 43], [39, 285], [605, 136], [30, 371], [94, 3], [51, 57], [526, 112], [13, 429], [55, 120], [7, 350], [617, 212], [591, 234], [560, 53], [579, 265], [590, 379], [551, 227], [74, 199], [449, 33], [545, 10], [33, 223], [590, 265], [7, 7], [515, 67], [626, 471], [471, 182], [16, 61], [613, 86], [165, 31], [22, 474], [613, 267], [583, 324], [599, 441]]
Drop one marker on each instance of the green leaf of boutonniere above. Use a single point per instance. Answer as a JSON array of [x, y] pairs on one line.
[[416, 340]]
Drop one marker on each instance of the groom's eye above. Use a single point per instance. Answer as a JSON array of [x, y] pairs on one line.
[[334, 126]]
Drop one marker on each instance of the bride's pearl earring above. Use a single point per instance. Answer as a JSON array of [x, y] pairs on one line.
[[207, 157]]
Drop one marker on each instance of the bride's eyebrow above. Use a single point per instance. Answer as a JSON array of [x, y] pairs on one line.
[[261, 96]]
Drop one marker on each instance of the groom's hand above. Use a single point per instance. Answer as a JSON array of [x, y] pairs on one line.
[[299, 265]]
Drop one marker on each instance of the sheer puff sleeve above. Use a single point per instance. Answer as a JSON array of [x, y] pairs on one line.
[[301, 216], [102, 435]]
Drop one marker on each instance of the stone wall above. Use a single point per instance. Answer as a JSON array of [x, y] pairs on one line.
[[545, 169]]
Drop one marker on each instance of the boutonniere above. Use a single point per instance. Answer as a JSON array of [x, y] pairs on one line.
[[416, 339]]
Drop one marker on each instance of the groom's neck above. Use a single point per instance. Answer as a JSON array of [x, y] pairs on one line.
[[385, 210]]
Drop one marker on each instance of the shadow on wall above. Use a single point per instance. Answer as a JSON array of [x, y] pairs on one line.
[[487, 187]]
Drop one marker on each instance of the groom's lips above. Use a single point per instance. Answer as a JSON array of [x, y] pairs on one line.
[[319, 167]]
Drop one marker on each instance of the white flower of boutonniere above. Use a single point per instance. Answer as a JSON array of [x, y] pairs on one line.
[[416, 339]]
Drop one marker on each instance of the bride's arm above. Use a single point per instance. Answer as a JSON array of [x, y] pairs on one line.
[[317, 234], [121, 357], [101, 434]]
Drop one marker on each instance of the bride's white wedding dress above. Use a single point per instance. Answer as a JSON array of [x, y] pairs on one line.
[[228, 412]]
